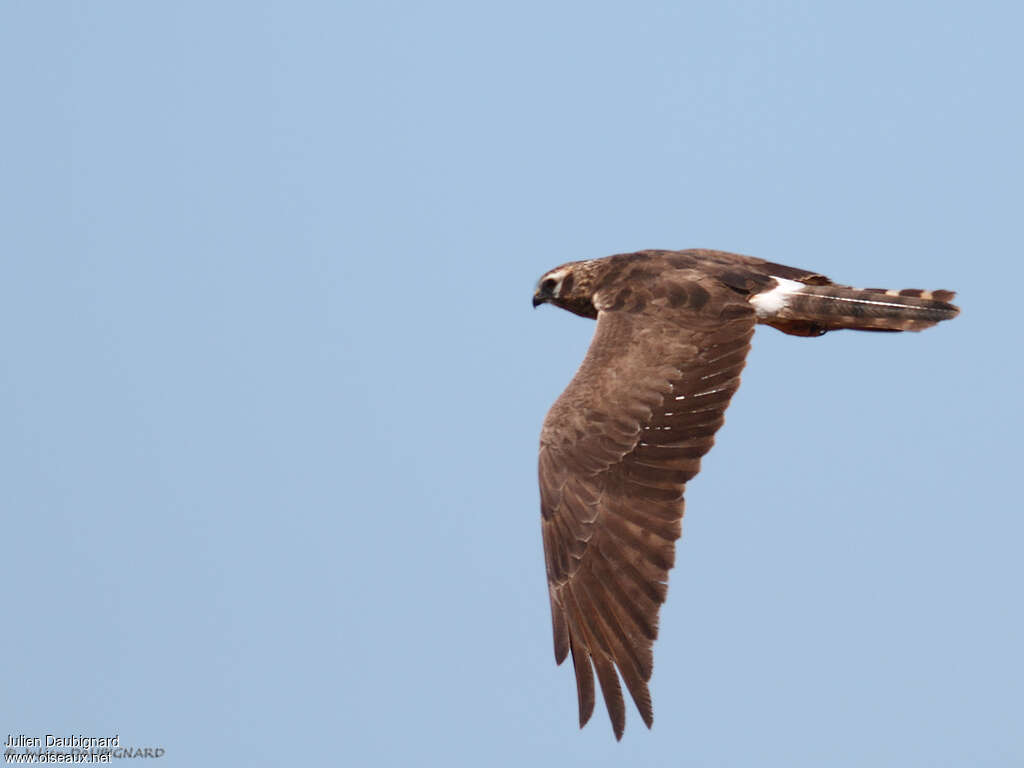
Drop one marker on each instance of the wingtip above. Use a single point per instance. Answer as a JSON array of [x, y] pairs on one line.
[[584, 693], [561, 646], [619, 728]]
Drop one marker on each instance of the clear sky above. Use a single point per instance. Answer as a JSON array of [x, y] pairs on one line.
[[271, 386]]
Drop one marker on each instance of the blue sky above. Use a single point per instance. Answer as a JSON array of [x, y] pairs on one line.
[[271, 385]]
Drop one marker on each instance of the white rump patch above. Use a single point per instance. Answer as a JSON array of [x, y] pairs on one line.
[[769, 303]]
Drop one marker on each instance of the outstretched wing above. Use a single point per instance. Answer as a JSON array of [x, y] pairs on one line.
[[617, 450]]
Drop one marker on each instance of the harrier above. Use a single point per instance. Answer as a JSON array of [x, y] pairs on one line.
[[620, 444]]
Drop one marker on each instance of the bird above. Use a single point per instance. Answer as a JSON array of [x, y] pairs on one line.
[[620, 444]]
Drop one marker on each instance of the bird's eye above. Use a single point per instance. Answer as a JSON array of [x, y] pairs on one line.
[[548, 285]]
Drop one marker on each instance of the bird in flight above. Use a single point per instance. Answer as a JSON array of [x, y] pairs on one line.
[[621, 442]]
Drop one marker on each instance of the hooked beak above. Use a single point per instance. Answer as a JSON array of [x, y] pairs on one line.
[[541, 296]]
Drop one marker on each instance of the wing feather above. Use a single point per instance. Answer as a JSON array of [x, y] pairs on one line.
[[601, 657], [581, 661], [617, 450]]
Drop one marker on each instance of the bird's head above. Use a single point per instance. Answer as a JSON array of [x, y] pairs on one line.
[[570, 287]]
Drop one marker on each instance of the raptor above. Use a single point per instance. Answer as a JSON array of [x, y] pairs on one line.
[[619, 445]]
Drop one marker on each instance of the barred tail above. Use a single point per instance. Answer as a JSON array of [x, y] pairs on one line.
[[811, 310]]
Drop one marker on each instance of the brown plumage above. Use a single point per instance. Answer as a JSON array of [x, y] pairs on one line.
[[620, 444]]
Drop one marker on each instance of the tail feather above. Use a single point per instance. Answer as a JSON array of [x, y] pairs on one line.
[[943, 297], [811, 310]]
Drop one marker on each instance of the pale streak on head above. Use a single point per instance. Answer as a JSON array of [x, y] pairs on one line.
[[558, 275]]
